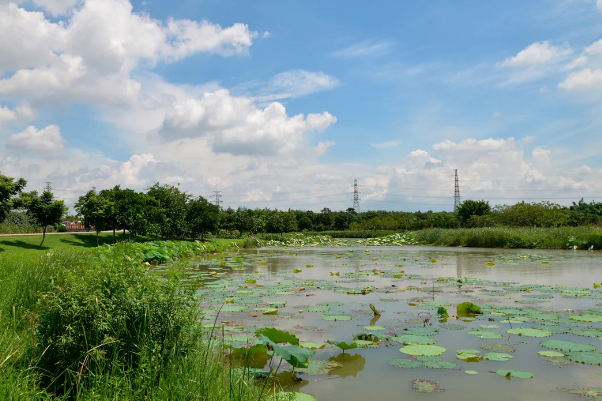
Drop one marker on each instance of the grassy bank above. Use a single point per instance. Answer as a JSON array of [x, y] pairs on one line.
[[77, 324], [530, 238], [353, 233]]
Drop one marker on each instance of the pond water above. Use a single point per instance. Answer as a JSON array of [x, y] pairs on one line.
[[550, 291]]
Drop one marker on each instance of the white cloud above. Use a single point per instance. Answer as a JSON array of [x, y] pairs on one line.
[[595, 48], [579, 61], [265, 35], [56, 7], [256, 195], [537, 53], [20, 114], [46, 142], [385, 145], [599, 4], [584, 79], [365, 48], [322, 147], [235, 125], [474, 145], [296, 83]]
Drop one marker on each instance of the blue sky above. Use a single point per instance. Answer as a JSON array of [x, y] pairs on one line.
[[284, 103]]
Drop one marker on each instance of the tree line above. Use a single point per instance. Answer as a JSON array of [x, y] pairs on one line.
[[166, 211]]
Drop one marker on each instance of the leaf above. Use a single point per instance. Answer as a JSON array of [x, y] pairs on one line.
[[589, 358], [416, 350], [277, 336], [296, 356], [426, 386], [343, 345], [515, 373], [414, 339], [529, 332], [468, 309], [566, 345], [376, 312], [497, 356], [442, 312]]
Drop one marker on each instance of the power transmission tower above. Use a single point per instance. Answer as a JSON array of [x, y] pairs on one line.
[[217, 200], [356, 197], [48, 187], [456, 193]]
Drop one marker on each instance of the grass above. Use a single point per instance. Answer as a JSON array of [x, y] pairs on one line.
[[72, 295], [502, 237]]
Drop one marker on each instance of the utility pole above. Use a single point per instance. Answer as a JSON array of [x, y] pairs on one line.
[[356, 197], [48, 187], [217, 200], [456, 192]]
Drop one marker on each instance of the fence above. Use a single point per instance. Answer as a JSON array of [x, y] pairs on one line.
[[77, 227]]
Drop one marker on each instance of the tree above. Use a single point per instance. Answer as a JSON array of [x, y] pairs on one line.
[[131, 207], [202, 217], [45, 210], [92, 207], [470, 208], [111, 211], [172, 208], [9, 189], [275, 222], [305, 224]]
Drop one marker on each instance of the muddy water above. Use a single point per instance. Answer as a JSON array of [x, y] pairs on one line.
[[399, 282]]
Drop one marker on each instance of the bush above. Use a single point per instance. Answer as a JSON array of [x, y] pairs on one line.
[[112, 315], [61, 228]]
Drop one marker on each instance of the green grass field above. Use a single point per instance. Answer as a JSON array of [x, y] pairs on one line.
[[26, 246]]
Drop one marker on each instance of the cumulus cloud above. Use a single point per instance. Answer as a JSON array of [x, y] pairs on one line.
[[322, 147], [579, 61], [474, 145], [584, 79], [46, 142], [537, 53], [235, 125], [19, 114]]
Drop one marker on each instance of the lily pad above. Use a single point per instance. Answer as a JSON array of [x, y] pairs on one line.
[[529, 332], [453, 326], [336, 318], [310, 345], [421, 331], [413, 339], [498, 348], [566, 345], [497, 356], [589, 358], [485, 334], [417, 350], [426, 386], [286, 396], [550, 353], [587, 317], [515, 373], [234, 308], [374, 328], [440, 365], [405, 363], [471, 372]]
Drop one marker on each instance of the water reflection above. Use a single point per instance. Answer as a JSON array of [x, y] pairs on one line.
[[351, 364]]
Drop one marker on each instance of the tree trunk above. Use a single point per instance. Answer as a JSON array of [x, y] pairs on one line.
[[202, 235], [43, 237], [97, 244], [114, 237], [124, 234]]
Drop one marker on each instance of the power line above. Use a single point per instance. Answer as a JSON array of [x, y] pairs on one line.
[[217, 200]]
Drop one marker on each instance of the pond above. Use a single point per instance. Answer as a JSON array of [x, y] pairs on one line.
[[542, 302]]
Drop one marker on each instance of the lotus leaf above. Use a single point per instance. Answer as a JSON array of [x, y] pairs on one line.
[[590, 358], [550, 353], [374, 328], [587, 317], [426, 358], [497, 348], [234, 308], [440, 365], [336, 318], [529, 332], [497, 356], [452, 326], [592, 393], [515, 373], [471, 372], [269, 311], [321, 367], [469, 355], [286, 396], [467, 309], [485, 334], [413, 339], [343, 345], [426, 386], [405, 363], [566, 345], [293, 354], [310, 345], [278, 336], [422, 350], [320, 309], [421, 331]]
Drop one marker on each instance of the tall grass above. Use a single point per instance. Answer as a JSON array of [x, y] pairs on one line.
[[502, 237], [77, 327]]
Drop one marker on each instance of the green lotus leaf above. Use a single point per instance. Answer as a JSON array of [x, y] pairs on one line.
[[427, 358], [497, 356], [268, 311], [413, 339], [589, 358], [471, 372], [422, 350], [321, 367], [276, 303], [469, 355], [293, 354], [569, 346], [374, 328], [515, 373], [587, 333], [490, 326], [550, 353], [468, 309], [405, 363], [310, 345], [587, 317], [426, 386], [421, 331], [288, 396], [529, 332], [343, 345], [498, 348], [336, 318], [485, 334], [277, 336], [440, 365], [363, 343], [452, 326], [234, 308], [331, 304], [320, 309]]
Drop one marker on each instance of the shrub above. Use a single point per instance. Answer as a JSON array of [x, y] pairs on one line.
[[61, 228], [112, 314]]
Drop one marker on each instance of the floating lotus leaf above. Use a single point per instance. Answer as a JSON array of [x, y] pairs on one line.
[[413, 339], [343, 345], [490, 326], [587, 333], [320, 309], [498, 348], [554, 329], [363, 343], [426, 386], [276, 303], [268, 311], [421, 331], [589, 358], [286, 396], [374, 328], [485, 334], [469, 355], [497, 356], [452, 326], [440, 365], [515, 373], [426, 358], [588, 317], [529, 332], [331, 304], [471, 372], [234, 308], [422, 350], [569, 346], [336, 318], [405, 363], [550, 353]]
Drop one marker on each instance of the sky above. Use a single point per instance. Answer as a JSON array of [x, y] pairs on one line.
[[283, 104]]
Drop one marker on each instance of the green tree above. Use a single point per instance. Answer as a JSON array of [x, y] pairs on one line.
[[202, 217], [111, 209], [131, 206], [9, 189], [275, 222], [305, 223], [45, 210], [92, 207], [171, 210], [470, 208]]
